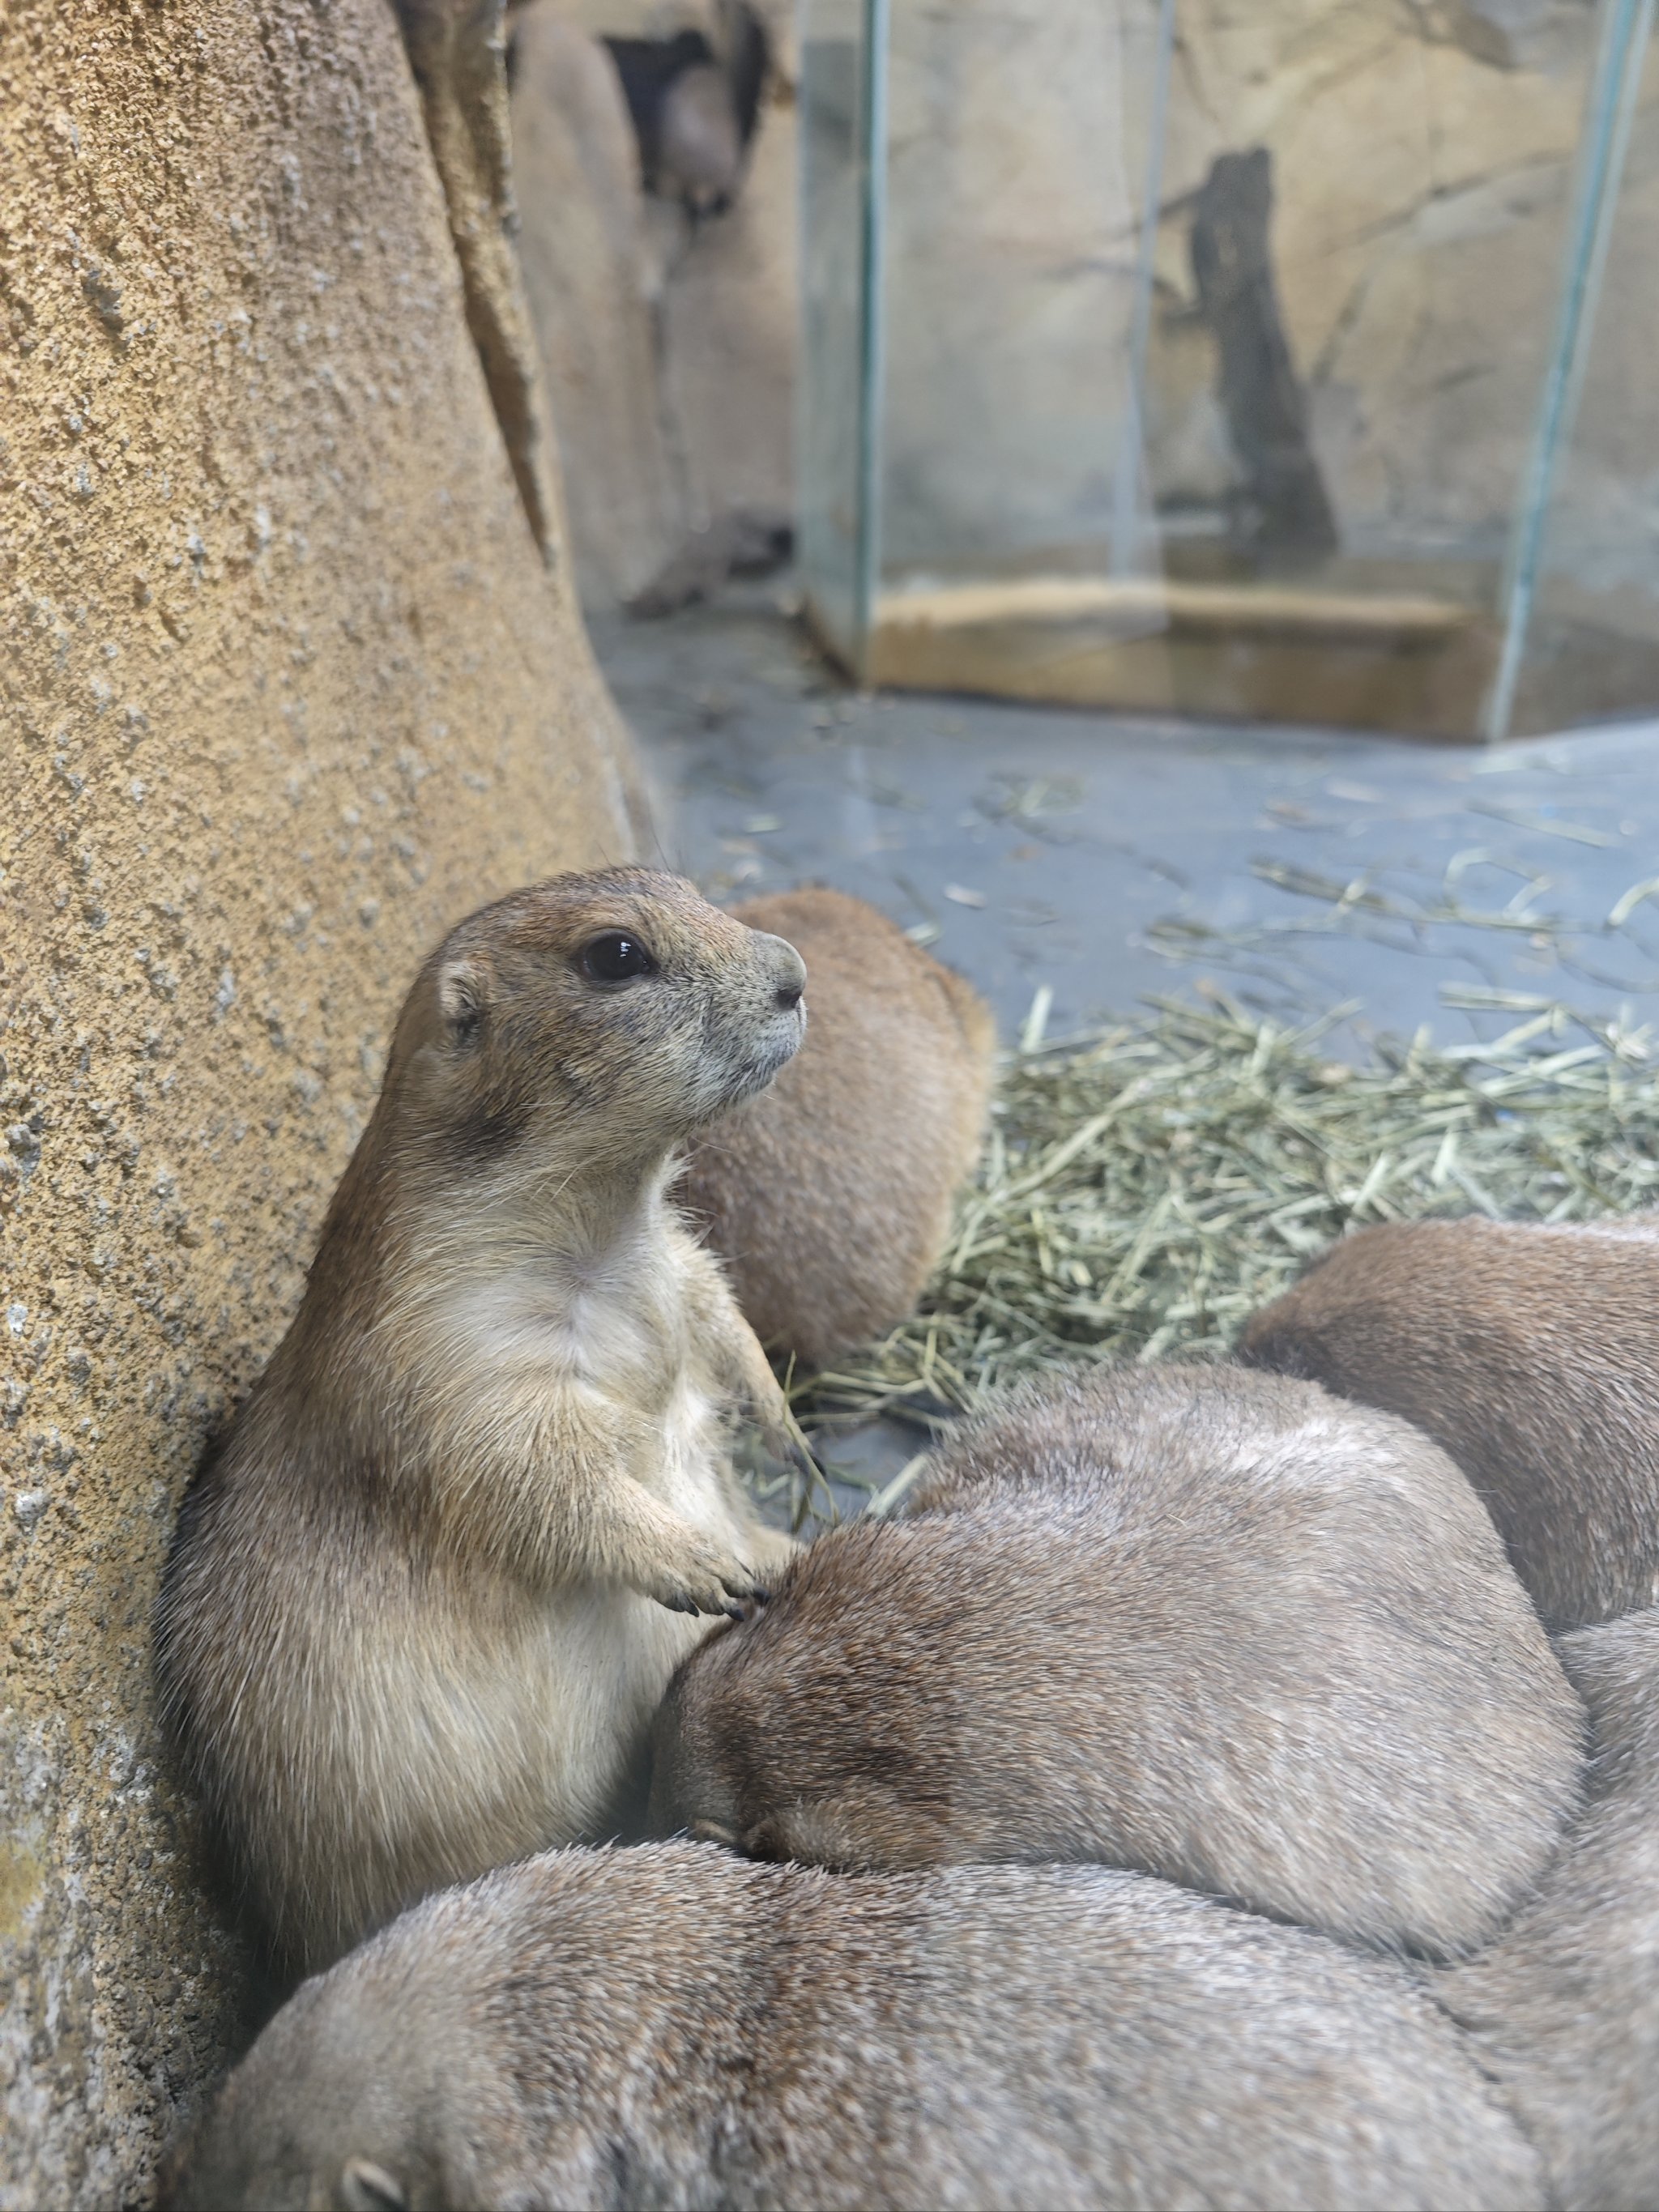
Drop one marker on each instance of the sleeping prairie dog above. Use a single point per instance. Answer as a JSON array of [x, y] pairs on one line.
[[422, 1606], [670, 2026], [1529, 1351], [830, 1199], [1210, 1623]]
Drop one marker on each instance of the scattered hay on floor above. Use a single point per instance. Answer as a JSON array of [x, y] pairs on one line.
[[1145, 1190]]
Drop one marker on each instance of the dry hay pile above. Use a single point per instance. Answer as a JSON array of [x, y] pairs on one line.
[[1145, 1189]]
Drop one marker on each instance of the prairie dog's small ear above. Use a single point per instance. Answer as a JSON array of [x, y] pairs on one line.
[[366, 2187], [462, 1000]]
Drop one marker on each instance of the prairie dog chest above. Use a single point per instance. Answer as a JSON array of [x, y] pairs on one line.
[[617, 1327]]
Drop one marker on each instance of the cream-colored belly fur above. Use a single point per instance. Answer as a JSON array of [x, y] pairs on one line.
[[453, 1718]]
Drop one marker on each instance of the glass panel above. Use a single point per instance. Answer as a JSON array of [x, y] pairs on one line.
[[1593, 638], [1217, 345], [1359, 261], [1013, 501], [829, 422], [1010, 256]]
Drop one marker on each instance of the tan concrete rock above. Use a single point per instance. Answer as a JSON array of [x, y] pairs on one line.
[[592, 275], [668, 347], [729, 313], [457, 49], [661, 19], [285, 688]]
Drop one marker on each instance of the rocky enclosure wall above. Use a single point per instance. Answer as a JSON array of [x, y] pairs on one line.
[[286, 687], [668, 345]]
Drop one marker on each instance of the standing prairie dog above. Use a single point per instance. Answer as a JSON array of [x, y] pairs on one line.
[[1530, 1353], [667, 2026], [830, 1199], [422, 1606], [1212, 1624], [1564, 2006]]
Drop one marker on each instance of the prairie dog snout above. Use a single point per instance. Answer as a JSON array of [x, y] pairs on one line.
[[422, 1606], [1214, 1623]]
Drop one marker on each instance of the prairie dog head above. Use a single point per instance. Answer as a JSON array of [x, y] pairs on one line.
[[774, 1745], [594, 1018], [288, 2132]]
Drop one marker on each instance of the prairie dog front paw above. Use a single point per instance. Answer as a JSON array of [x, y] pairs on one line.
[[698, 1576]]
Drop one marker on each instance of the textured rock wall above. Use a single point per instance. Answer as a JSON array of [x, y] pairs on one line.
[[591, 263], [668, 346], [285, 687]]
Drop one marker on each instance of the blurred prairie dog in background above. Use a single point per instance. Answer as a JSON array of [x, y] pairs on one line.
[[422, 1606], [1529, 1352], [830, 1199], [669, 2026], [1564, 2006], [1210, 1623]]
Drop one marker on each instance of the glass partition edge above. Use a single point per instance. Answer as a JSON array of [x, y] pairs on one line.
[[873, 296], [1610, 111]]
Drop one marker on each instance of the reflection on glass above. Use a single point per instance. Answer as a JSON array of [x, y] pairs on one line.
[[835, 387], [1591, 617], [1217, 347]]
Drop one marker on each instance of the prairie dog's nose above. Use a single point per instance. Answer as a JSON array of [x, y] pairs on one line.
[[789, 969]]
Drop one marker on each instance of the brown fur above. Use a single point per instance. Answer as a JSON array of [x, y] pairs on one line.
[[670, 2026], [1213, 1623], [415, 1623], [830, 1199], [1531, 1355], [1565, 2006]]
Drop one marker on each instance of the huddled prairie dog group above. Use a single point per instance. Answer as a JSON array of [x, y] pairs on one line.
[[1138, 1635], [422, 1606], [1212, 1624], [669, 2026], [1531, 1352], [830, 1197]]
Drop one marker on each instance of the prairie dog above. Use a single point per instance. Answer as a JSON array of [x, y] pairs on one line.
[[1565, 2004], [830, 1199], [1212, 1624], [421, 1609], [1531, 1355], [669, 2026]]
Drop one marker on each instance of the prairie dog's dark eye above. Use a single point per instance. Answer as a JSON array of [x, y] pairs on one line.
[[614, 958]]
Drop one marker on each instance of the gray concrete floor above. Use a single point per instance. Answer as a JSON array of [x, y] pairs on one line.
[[1111, 860], [1114, 858]]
